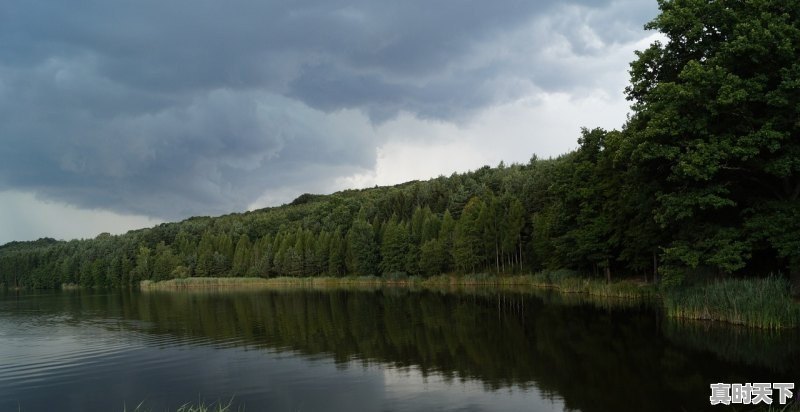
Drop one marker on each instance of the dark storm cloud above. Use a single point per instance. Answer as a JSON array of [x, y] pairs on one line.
[[197, 107]]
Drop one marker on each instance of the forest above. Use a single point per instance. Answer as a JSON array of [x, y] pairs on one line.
[[703, 180]]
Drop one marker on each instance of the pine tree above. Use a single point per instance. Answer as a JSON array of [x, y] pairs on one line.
[[322, 252], [512, 232], [205, 255], [394, 247], [262, 257], [362, 251], [336, 255], [490, 219], [242, 256], [433, 257], [446, 237], [430, 229], [468, 241]]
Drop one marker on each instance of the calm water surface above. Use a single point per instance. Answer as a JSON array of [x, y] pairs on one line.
[[368, 350]]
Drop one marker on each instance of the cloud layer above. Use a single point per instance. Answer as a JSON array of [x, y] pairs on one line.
[[172, 109]]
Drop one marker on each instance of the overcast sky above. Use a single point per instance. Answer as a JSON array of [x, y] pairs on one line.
[[121, 114]]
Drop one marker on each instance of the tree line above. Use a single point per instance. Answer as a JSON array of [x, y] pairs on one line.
[[465, 223], [703, 178]]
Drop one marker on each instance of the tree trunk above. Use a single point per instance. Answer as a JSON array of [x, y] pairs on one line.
[[655, 267], [497, 256], [608, 271]]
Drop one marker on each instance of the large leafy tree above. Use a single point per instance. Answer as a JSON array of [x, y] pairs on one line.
[[716, 126]]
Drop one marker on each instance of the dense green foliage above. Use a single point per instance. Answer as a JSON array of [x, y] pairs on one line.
[[404, 230], [703, 178], [714, 136]]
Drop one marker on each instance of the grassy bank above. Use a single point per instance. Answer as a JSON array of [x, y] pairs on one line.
[[563, 281], [760, 303], [763, 303], [258, 283]]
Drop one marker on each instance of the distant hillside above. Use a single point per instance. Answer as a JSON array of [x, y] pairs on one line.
[[703, 179], [554, 213], [407, 228]]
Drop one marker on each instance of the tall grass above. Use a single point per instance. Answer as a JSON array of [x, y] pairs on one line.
[[763, 303], [563, 280], [569, 281], [200, 406], [200, 283]]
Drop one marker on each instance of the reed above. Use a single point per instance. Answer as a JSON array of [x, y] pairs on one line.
[[202, 283], [760, 303], [568, 281], [199, 283], [763, 303], [200, 406]]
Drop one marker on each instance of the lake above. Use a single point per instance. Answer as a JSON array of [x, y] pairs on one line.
[[369, 349]]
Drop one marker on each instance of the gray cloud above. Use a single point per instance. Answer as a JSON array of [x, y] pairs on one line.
[[176, 108]]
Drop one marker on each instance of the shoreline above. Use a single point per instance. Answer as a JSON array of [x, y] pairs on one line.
[[735, 302]]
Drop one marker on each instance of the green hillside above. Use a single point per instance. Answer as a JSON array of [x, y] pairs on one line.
[[702, 181]]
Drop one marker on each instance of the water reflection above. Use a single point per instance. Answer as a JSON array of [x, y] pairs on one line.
[[382, 349]]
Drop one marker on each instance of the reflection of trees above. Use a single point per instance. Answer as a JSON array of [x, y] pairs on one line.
[[770, 349], [596, 357]]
